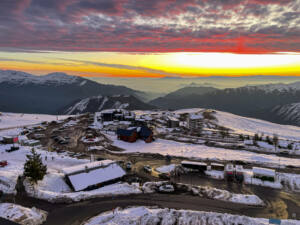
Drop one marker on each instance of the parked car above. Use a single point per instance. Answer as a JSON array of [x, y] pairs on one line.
[[147, 169], [166, 188]]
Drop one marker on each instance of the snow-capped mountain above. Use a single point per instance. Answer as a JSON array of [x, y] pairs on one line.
[[276, 87], [26, 93], [21, 78], [251, 101], [98, 103], [290, 113]]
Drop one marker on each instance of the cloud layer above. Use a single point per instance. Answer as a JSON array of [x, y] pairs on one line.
[[251, 26]]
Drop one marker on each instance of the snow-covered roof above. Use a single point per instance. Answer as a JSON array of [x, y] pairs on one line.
[[95, 173], [90, 165], [194, 163], [196, 116], [216, 164], [172, 118], [263, 171]]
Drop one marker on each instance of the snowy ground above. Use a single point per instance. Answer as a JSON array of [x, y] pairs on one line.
[[11, 120], [16, 160], [166, 169], [22, 215], [251, 126], [54, 189], [202, 152], [143, 216]]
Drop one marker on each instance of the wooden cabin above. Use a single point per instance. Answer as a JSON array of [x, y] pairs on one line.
[[129, 135]]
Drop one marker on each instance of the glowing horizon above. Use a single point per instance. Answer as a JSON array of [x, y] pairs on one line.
[[121, 64]]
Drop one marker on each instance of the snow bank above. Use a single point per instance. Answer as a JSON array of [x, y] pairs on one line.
[[215, 174], [227, 196], [22, 215], [290, 181], [54, 189], [166, 169], [143, 215], [207, 192]]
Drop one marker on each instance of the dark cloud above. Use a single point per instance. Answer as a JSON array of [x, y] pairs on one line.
[[156, 25]]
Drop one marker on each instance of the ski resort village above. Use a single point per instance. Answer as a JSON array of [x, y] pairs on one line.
[[191, 166]]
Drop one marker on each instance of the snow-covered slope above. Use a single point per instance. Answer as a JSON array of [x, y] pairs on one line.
[[11, 120], [251, 126], [289, 113], [21, 78], [98, 103], [246, 125]]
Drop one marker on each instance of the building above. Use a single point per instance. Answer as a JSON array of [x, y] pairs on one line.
[[93, 175], [117, 114], [146, 134], [264, 174], [239, 173], [217, 166], [107, 115], [229, 171], [10, 139], [195, 121], [128, 135], [172, 122], [200, 166]]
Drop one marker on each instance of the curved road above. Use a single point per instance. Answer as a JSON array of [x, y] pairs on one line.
[[76, 213]]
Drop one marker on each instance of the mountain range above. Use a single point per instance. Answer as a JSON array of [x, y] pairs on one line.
[[97, 103], [49, 94], [262, 101], [59, 93]]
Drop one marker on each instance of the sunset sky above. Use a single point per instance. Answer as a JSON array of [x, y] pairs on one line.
[[151, 38]]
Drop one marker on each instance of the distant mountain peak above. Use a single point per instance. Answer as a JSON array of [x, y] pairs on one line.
[[98, 103], [19, 77], [278, 86]]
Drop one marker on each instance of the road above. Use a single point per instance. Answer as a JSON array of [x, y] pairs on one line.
[[76, 213]]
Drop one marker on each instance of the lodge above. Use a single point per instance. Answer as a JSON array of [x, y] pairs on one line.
[[132, 134], [93, 175]]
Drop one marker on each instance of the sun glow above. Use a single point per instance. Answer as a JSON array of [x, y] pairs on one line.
[[116, 64], [229, 60]]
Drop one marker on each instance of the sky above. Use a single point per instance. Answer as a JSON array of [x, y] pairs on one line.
[[151, 38]]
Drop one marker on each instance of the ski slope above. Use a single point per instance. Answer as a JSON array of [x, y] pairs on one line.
[[247, 125], [15, 120], [250, 126]]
